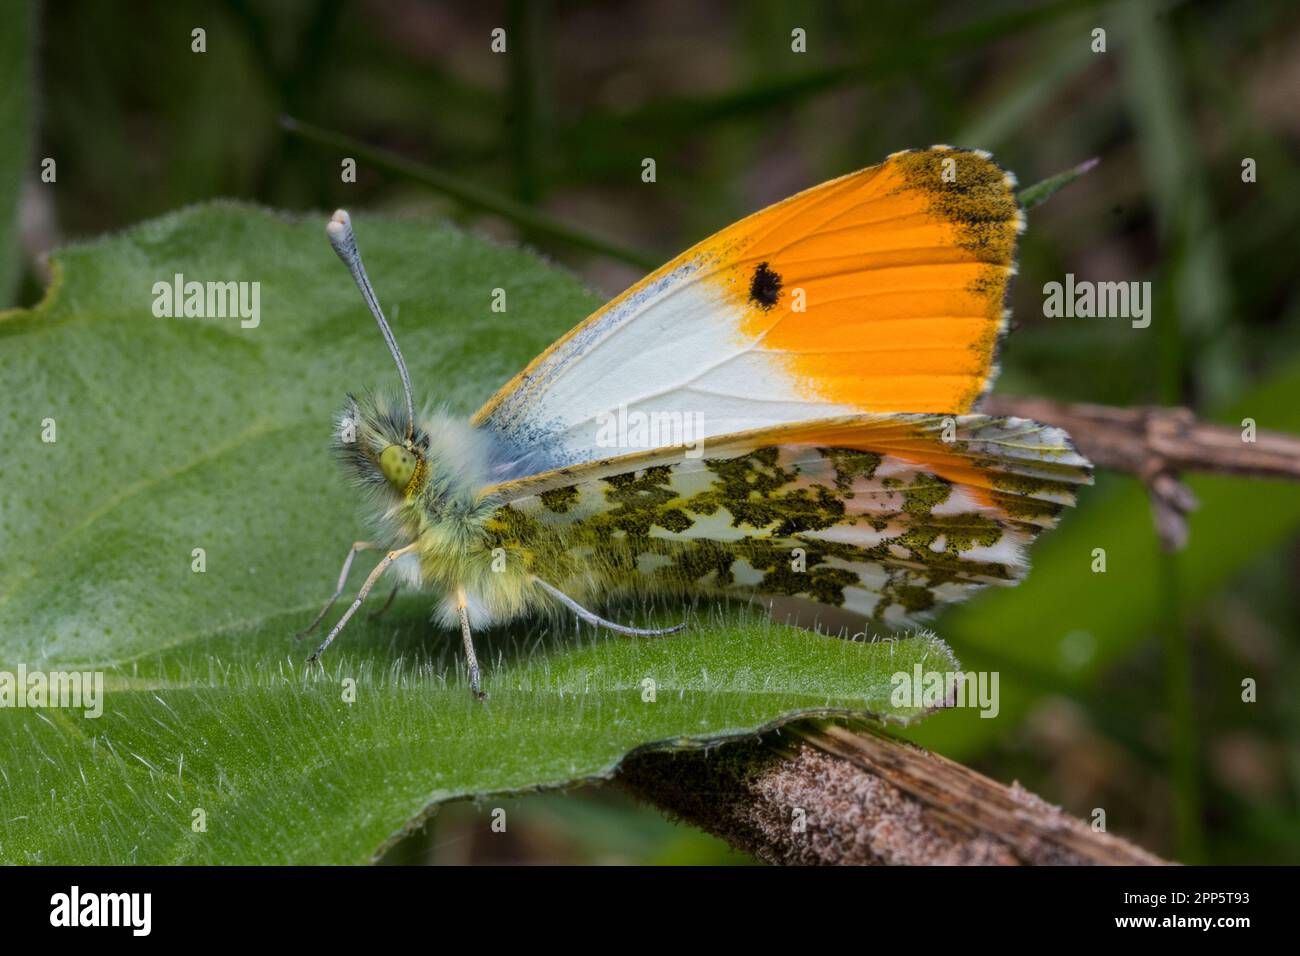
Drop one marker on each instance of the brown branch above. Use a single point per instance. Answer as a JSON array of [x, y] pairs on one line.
[[824, 794], [1158, 445]]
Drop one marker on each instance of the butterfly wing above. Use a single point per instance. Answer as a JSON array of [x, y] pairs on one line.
[[879, 291], [889, 516]]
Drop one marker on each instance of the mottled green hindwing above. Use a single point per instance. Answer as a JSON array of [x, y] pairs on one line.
[[890, 533]]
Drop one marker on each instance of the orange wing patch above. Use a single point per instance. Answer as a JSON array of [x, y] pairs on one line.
[[901, 270], [882, 291]]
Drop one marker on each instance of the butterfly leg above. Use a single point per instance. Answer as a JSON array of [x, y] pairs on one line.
[[375, 575], [374, 615], [471, 659], [357, 547], [592, 618]]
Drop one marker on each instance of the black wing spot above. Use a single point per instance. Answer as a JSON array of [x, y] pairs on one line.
[[765, 287]]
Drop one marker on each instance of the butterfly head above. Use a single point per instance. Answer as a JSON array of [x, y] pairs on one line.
[[370, 440]]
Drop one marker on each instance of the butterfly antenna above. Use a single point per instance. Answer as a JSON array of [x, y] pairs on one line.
[[344, 242], [593, 618]]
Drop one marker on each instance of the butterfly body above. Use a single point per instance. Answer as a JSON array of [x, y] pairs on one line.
[[439, 503], [815, 368]]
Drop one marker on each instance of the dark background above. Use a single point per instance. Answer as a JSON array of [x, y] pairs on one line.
[[141, 125]]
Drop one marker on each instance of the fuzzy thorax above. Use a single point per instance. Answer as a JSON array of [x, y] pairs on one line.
[[430, 489]]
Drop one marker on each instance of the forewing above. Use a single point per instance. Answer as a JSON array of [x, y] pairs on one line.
[[881, 291], [887, 516]]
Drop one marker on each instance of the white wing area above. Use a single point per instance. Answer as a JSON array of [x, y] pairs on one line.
[[661, 362]]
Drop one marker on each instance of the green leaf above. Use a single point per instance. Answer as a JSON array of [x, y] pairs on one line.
[[177, 434], [1040, 192]]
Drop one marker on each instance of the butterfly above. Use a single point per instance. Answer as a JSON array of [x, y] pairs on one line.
[[787, 409]]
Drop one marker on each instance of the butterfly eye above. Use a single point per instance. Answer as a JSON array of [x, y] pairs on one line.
[[398, 465]]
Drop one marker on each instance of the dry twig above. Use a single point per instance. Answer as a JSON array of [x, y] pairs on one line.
[[825, 794], [1158, 445]]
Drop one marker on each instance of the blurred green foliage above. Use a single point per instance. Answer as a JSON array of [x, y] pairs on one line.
[[16, 85], [1123, 689]]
